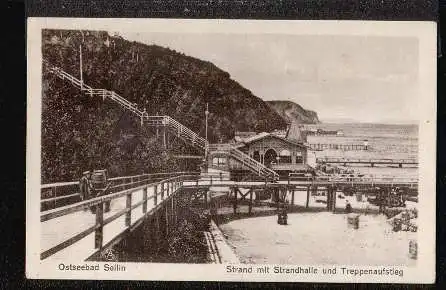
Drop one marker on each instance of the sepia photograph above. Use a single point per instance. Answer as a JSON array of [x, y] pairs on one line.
[[233, 150]]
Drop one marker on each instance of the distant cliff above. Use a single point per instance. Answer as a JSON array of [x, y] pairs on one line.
[[293, 112]]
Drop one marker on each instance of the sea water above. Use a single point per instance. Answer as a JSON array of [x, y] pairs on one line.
[[390, 141]]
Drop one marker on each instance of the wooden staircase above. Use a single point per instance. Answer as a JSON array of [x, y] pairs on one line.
[[171, 124]]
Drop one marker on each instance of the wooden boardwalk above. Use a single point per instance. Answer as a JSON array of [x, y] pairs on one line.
[[74, 231]]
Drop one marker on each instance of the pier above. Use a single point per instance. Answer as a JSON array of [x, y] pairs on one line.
[[371, 162], [344, 147]]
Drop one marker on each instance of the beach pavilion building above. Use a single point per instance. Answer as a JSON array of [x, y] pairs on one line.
[[283, 152]]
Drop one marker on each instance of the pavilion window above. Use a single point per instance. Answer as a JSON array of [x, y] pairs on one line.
[[299, 159], [218, 161], [285, 156]]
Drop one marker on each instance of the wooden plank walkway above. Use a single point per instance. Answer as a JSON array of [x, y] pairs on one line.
[[73, 231]]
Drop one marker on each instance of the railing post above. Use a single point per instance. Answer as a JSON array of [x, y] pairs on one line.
[[99, 233], [144, 198], [162, 190], [155, 195], [55, 195], [292, 196], [128, 206]]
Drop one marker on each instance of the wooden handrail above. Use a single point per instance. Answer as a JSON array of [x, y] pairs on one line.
[[173, 185]]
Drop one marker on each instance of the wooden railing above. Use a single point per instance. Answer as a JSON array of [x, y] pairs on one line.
[[252, 164], [302, 179], [63, 193], [162, 190], [173, 125]]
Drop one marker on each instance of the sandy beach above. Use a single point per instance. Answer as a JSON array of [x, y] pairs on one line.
[[319, 238]]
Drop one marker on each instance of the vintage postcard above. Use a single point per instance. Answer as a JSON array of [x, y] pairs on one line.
[[231, 150]]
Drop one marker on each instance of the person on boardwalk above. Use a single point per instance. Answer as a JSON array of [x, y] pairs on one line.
[[85, 186], [348, 207], [101, 187]]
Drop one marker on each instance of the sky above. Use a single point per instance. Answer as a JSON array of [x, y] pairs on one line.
[[349, 78]]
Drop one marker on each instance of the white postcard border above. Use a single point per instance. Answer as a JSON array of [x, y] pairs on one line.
[[424, 272]]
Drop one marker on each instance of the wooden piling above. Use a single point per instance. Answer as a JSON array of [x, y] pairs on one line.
[[155, 195], [328, 198], [156, 229], [307, 202], [235, 201], [334, 199], [172, 211], [250, 201], [205, 196], [128, 206], [99, 231], [144, 198], [166, 212], [175, 213]]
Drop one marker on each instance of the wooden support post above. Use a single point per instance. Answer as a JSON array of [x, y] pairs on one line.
[[292, 196], [128, 206], [334, 199], [167, 218], [164, 137], [175, 211], [172, 211], [328, 197], [99, 231], [205, 195], [155, 195], [157, 228], [162, 191], [307, 202], [144, 198], [235, 201], [250, 201]]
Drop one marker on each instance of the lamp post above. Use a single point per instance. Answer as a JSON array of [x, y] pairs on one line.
[[80, 65], [206, 115]]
